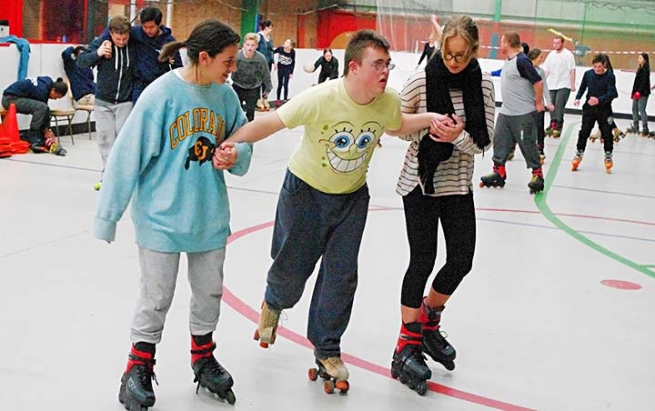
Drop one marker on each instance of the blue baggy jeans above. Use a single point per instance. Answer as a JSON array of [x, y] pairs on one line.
[[310, 224]]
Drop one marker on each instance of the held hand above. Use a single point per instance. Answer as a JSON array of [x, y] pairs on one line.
[[593, 101], [540, 107], [225, 156], [576, 103], [551, 107], [105, 49], [447, 129], [265, 95]]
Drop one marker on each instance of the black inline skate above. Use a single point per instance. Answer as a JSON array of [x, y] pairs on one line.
[[494, 179], [408, 364], [136, 392], [434, 343], [208, 372], [536, 183]]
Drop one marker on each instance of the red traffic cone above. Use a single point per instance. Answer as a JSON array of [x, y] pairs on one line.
[[11, 123]]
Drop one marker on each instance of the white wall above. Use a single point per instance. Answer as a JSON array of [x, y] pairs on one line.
[[45, 59]]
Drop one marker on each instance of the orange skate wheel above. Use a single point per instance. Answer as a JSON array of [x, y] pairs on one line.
[[343, 386], [328, 386], [481, 184], [256, 336], [312, 373], [263, 344]]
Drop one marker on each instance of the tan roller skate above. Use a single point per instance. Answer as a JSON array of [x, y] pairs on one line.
[[266, 331], [334, 373], [594, 136]]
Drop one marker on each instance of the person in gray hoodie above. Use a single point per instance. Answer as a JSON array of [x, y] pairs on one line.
[[114, 58], [252, 75]]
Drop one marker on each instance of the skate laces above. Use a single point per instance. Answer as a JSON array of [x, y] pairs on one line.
[[145, 373], [335, 367], [207, 364]]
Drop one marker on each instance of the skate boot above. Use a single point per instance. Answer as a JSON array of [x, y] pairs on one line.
[[208, 372], [494, 179], [268, 321], [536, 184], [608, 162], [557, 132], [434, 343], [633, 129], [594, 136], [408, 362], [334, 373], [577, 159], [136, 392], [644, 131], [618, 134], [549, 130]]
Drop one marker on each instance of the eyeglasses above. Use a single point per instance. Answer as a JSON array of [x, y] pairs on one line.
[[459, 58], [381, 65]]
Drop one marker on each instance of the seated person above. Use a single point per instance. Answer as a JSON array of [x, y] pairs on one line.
[[81, 79], [31, 97]]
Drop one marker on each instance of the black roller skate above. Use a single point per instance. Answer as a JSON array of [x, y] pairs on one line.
[[633, 129], [644, 131], [536, 183], [494, 179], [408, 364], [434, 343], [136, 392], [334, 373], [208, 372]]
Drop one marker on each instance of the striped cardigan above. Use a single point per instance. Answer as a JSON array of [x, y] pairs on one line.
[[453, 176]]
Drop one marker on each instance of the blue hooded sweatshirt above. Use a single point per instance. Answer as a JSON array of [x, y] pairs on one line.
[[32, 88], [81, 80], [148, 67]]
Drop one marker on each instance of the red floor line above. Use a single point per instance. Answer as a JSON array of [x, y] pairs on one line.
[[253, 315]]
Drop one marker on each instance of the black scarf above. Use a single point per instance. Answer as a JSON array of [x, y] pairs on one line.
[[438, 83]]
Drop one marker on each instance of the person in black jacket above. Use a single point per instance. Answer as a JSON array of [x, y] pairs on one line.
[[640, 92], [30, 96], [329, 66], [285, 65], [82, 82], [115, 59], [433, 39], [150, 38]]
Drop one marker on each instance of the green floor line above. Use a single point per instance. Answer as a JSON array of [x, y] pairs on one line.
[[542, 205]]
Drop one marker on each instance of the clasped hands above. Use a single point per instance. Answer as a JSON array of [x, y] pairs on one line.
[[445, 128], [225, 156]]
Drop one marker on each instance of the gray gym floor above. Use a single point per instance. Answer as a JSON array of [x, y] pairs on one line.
[[537, 324]]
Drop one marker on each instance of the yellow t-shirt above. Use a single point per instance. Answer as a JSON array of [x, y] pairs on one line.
[[340, 135]]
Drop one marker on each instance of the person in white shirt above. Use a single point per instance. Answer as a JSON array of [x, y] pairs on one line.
[[560, 72]]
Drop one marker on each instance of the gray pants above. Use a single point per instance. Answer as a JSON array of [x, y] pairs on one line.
[[520, 129], [559, 98], [639, 110], [158, 278], [39, 110], [109, 121]]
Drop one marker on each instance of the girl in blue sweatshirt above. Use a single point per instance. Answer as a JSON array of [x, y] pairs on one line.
[[179, 203]]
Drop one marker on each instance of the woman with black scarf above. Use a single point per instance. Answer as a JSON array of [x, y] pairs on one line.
[[436, 187]]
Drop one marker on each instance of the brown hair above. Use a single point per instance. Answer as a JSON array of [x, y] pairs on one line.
[[360, 41], [119, 25], [512, 39], [210, 36]]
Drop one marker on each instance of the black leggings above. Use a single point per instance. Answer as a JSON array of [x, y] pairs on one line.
[[283, 76], [422, 216]]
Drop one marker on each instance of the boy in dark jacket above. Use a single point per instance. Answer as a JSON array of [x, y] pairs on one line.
[[114, 57], [82, 81], [150, 39], [600, 85]]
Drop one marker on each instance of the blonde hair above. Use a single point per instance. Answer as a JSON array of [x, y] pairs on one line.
[[251, 36], [464, 27]]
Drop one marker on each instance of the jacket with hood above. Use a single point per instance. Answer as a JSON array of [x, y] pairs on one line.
[[115, 74], [148, 67], [32, 88]]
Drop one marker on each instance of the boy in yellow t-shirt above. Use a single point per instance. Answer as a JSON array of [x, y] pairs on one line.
[[323, 203]]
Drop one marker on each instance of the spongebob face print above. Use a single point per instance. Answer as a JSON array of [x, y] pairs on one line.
[[347, 145]]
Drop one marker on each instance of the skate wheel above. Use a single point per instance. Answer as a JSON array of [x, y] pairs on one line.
[[422, 388], [481, 184], [256, 336], [263, 344], [343, 386], [230, 397], [312, 373], [449, 366], [328, 386]]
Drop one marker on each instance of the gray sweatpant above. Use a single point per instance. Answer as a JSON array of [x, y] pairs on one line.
[[520, 129], [158, 278], [109, 121]]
